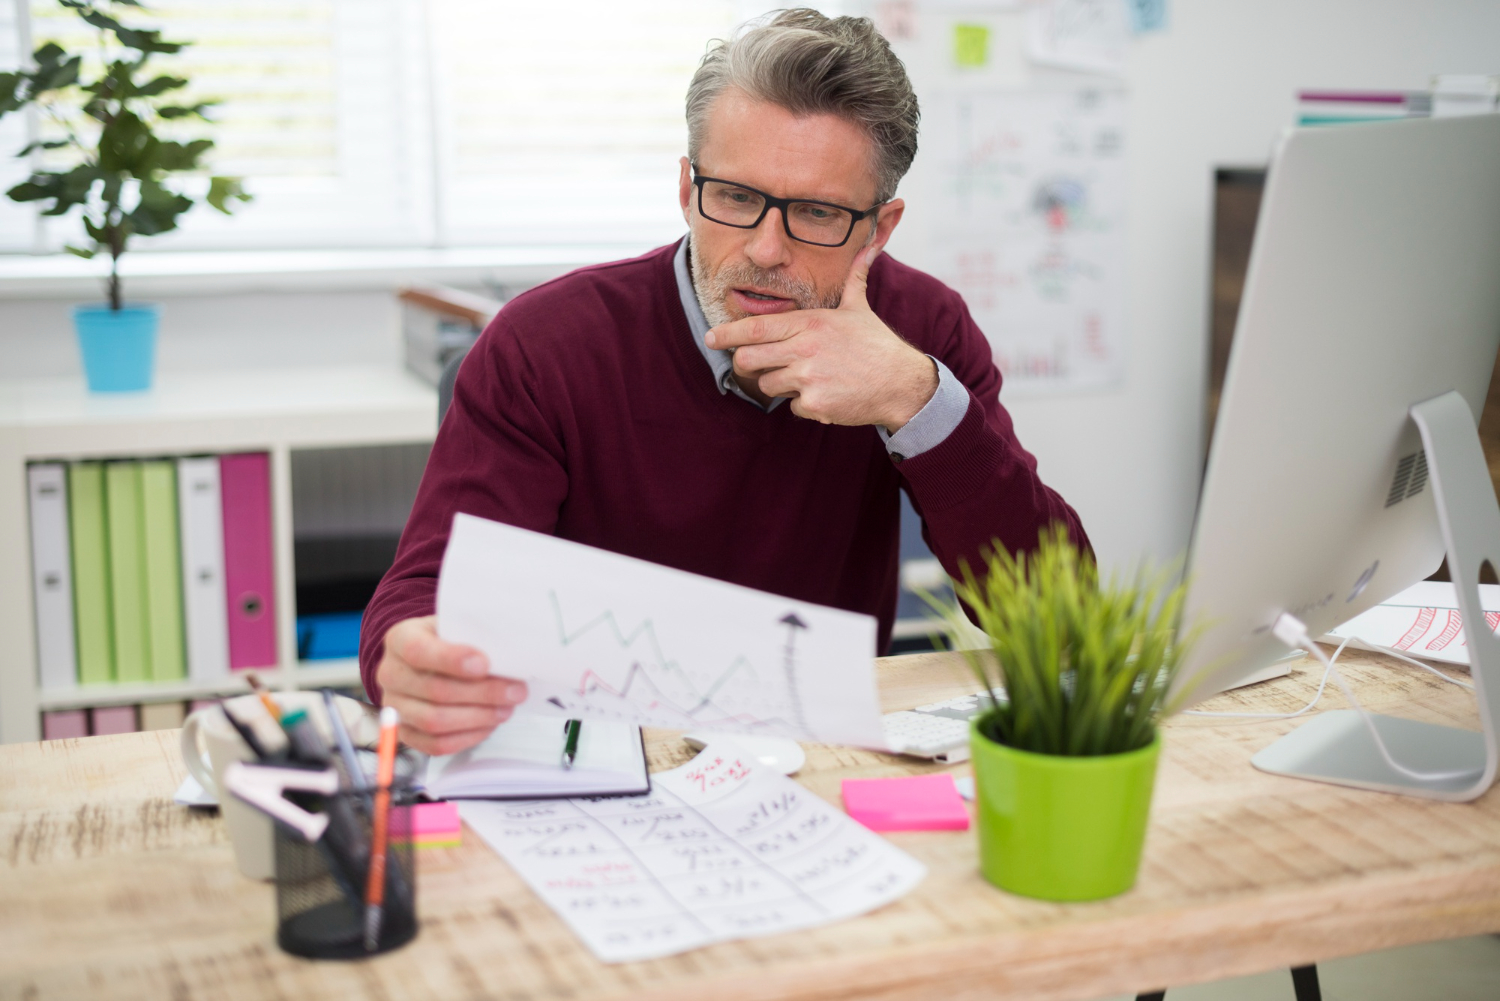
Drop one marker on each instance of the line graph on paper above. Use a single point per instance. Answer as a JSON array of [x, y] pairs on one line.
[[631, 677], [598, 635]]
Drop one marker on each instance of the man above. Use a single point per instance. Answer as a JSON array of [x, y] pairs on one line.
[[745, 403]]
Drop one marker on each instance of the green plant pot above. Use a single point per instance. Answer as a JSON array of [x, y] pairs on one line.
[[1061, 828]]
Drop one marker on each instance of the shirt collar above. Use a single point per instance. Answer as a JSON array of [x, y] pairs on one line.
[[720, 363]]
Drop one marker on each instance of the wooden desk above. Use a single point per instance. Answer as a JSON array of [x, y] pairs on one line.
[[109, 890]]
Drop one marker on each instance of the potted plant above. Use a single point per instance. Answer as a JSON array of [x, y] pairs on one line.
[[1065, 758], [116, 169]]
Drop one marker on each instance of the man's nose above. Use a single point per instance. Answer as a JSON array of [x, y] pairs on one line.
[[769, 246]]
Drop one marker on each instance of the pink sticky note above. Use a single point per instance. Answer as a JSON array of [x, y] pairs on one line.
[[428, 819], [914, 803]]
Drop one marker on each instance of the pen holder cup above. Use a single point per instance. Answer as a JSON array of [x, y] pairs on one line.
[[321, 885]]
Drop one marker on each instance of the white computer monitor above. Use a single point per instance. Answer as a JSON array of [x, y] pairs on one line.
[[1374, 285]]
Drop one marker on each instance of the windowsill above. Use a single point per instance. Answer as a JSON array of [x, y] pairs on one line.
[[217, 271]]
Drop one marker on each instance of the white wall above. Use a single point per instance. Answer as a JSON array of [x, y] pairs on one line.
[[1212, 90]]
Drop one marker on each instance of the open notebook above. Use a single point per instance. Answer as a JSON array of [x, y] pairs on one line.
[[522, 759]]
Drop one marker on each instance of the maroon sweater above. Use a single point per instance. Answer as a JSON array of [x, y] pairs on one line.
[[585, 410]]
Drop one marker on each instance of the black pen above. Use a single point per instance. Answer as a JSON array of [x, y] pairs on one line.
[[570, 749], [247, 735]]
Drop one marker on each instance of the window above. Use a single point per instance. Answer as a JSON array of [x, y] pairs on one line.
[[313, 115], [564, 128], [17, 222], [364, 123]]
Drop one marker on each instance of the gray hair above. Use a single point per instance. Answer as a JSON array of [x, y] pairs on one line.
[[811, 64]]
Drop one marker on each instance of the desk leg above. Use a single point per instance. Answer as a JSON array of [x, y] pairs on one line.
[[1305, 983]]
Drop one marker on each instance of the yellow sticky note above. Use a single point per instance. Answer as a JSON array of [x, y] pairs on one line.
[[971, 44]]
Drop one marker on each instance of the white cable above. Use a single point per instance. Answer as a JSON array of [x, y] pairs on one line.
[[1291, 631], [1364, 643], [1321, 685], [1410, 660]]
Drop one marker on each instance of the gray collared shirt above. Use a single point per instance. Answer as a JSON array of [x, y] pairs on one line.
[[928, 429]]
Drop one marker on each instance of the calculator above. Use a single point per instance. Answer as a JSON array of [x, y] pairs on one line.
[[938, 731]]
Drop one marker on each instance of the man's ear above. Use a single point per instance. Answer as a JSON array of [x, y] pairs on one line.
[[886, 220], [685, 189]]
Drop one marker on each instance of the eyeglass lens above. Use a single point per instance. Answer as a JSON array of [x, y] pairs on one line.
[[808, 221]]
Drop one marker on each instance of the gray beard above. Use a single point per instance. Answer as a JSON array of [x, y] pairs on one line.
[[713, 290]]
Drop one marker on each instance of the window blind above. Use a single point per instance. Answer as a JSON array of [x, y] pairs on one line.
[[565, 123], [270, 63], [313, 112]]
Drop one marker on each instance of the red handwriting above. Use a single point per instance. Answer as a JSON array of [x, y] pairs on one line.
[[717, 772]]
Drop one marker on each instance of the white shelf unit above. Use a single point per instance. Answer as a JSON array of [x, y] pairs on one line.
[[272, 410]]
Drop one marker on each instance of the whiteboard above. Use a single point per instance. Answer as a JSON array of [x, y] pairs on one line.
[[1030, 229]]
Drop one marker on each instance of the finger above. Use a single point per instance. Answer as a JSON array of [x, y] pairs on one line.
[[782, 382], [755, 358], [491, 691], [416, 642], [448, 743], [757, 330], [859, 280], [437, 719], [808, 411]]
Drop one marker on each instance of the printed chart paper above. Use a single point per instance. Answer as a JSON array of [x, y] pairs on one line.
[[1031, 230], [1422, 621], [596, 635], [721, 849]]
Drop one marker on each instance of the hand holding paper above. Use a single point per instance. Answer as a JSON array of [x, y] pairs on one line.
[[447, 697]]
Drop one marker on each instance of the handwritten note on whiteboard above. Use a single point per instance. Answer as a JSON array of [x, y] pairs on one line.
[[1089, 35], [597, 635], [721, 849]]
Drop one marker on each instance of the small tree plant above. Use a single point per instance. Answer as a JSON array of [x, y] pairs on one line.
[[1079, 674], [122, 177], [1076, 666]]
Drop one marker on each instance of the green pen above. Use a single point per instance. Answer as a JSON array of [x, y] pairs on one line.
[[570, 749]]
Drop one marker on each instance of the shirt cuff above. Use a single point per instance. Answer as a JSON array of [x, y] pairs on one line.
[[934, 422]]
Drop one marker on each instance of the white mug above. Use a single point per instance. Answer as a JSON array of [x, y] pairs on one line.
[[250, 831]]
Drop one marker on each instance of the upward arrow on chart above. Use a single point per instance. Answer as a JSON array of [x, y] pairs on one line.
[[789, 664]]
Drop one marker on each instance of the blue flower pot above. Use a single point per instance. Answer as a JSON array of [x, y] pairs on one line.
[[118, 346]]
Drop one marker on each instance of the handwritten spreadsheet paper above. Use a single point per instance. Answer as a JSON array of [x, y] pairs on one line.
[[721, 849]]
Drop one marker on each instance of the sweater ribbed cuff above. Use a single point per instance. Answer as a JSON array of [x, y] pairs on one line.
[[407, 599], [959, 466], [931, 425]]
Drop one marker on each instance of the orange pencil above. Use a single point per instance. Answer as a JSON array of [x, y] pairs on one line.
[[385, 773], [265, 695]]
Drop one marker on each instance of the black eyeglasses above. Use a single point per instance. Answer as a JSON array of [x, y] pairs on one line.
[[822, 224]]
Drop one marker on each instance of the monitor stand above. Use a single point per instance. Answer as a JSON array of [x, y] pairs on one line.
[[1336, 746]]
